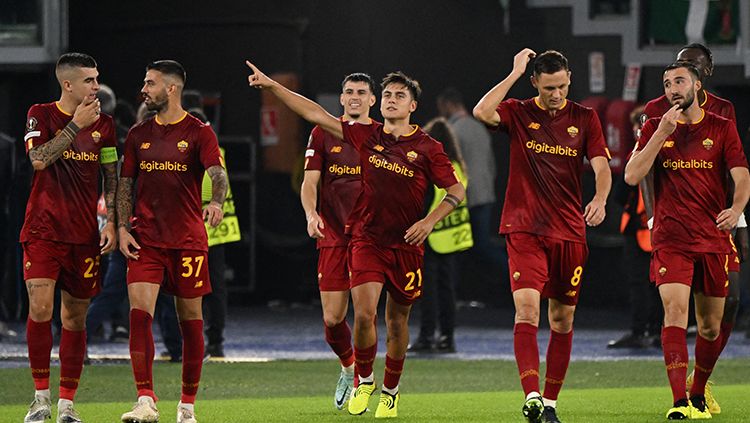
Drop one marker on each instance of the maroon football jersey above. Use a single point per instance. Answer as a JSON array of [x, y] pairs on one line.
[[546, 162], [396, 173], [340, 183], [168, 162], [712, 103], [690, 183], [62, 203]]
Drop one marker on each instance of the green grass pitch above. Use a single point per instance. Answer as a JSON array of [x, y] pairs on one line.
[[432, 391]]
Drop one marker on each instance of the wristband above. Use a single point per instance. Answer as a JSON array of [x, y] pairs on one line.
[[741, 222], [650, 223]]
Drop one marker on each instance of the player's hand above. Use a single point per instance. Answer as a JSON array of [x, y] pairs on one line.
[[595, 212], [127, 241], [418, 232], [258, 79], [314, 226], [213, 214], [668, 122], [727, 219], [108, 238], [522, 59], [87, 113]]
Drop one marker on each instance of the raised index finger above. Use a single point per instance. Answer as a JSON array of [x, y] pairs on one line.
[[251, 66]]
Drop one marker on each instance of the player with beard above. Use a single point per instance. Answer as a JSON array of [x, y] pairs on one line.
[[334, 165], [691, 151], [700, 56], [399, 163], [164, 239], [68, 142]]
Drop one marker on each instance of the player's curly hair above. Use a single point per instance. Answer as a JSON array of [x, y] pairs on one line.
[[706, 51], [550, 61], [399, 77]]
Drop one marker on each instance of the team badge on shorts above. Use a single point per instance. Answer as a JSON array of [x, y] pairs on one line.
[[28, 265], [572, 131], [96, 136], [411, 156], [708, 143], [662, 271], [516, 276], [31, 124], [182, 146]]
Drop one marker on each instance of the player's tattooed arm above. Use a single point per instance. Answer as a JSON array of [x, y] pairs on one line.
[[45, 154], [110, 190], [219, 184], [124, 199], [213, 213]]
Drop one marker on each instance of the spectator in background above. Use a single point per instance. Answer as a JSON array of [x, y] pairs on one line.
[[441, 265], [645, 312], [475, 143]]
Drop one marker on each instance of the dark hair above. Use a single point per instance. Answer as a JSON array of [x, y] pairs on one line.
[[451, 95], [440, 129], [359, 77], [78, 60], [399, 77], [550, 61], [706, 51], [687, 65], [169, 67]]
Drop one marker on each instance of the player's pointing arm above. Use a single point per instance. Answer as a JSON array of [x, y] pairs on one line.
[[306, 108]]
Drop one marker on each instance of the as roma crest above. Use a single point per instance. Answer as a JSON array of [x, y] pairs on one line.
[[572, 131], [182, 146], [96, 136], [411, 156], [708, 143]]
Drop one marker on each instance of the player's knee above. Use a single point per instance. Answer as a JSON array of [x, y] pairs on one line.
[[333, 319], [527, 314], [709, 332], [675, 311], [40, 311], [364, 317], [561, 324]]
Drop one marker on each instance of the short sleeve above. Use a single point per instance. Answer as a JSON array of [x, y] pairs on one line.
[[646, 133], [734, 155], [129, 164], [505, 110], [596, 146], [441, 170], [109, 142], [37, 128], [357, 133], [210, 155], [314, 154], [730, 113]]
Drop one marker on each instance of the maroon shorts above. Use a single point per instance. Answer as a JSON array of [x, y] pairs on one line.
[[74, 267], [400, 271], [333, 269], [554, 267], [182, 273], [705, 272], [734, 258]]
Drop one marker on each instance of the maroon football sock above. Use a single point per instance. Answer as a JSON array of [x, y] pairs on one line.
[[339, 337], [706, 354], [558, 358], [39, 341], [674, 345], [527, 356], [393, 369], [364, 358], [72, 351], [192, 358], [142, 352]]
